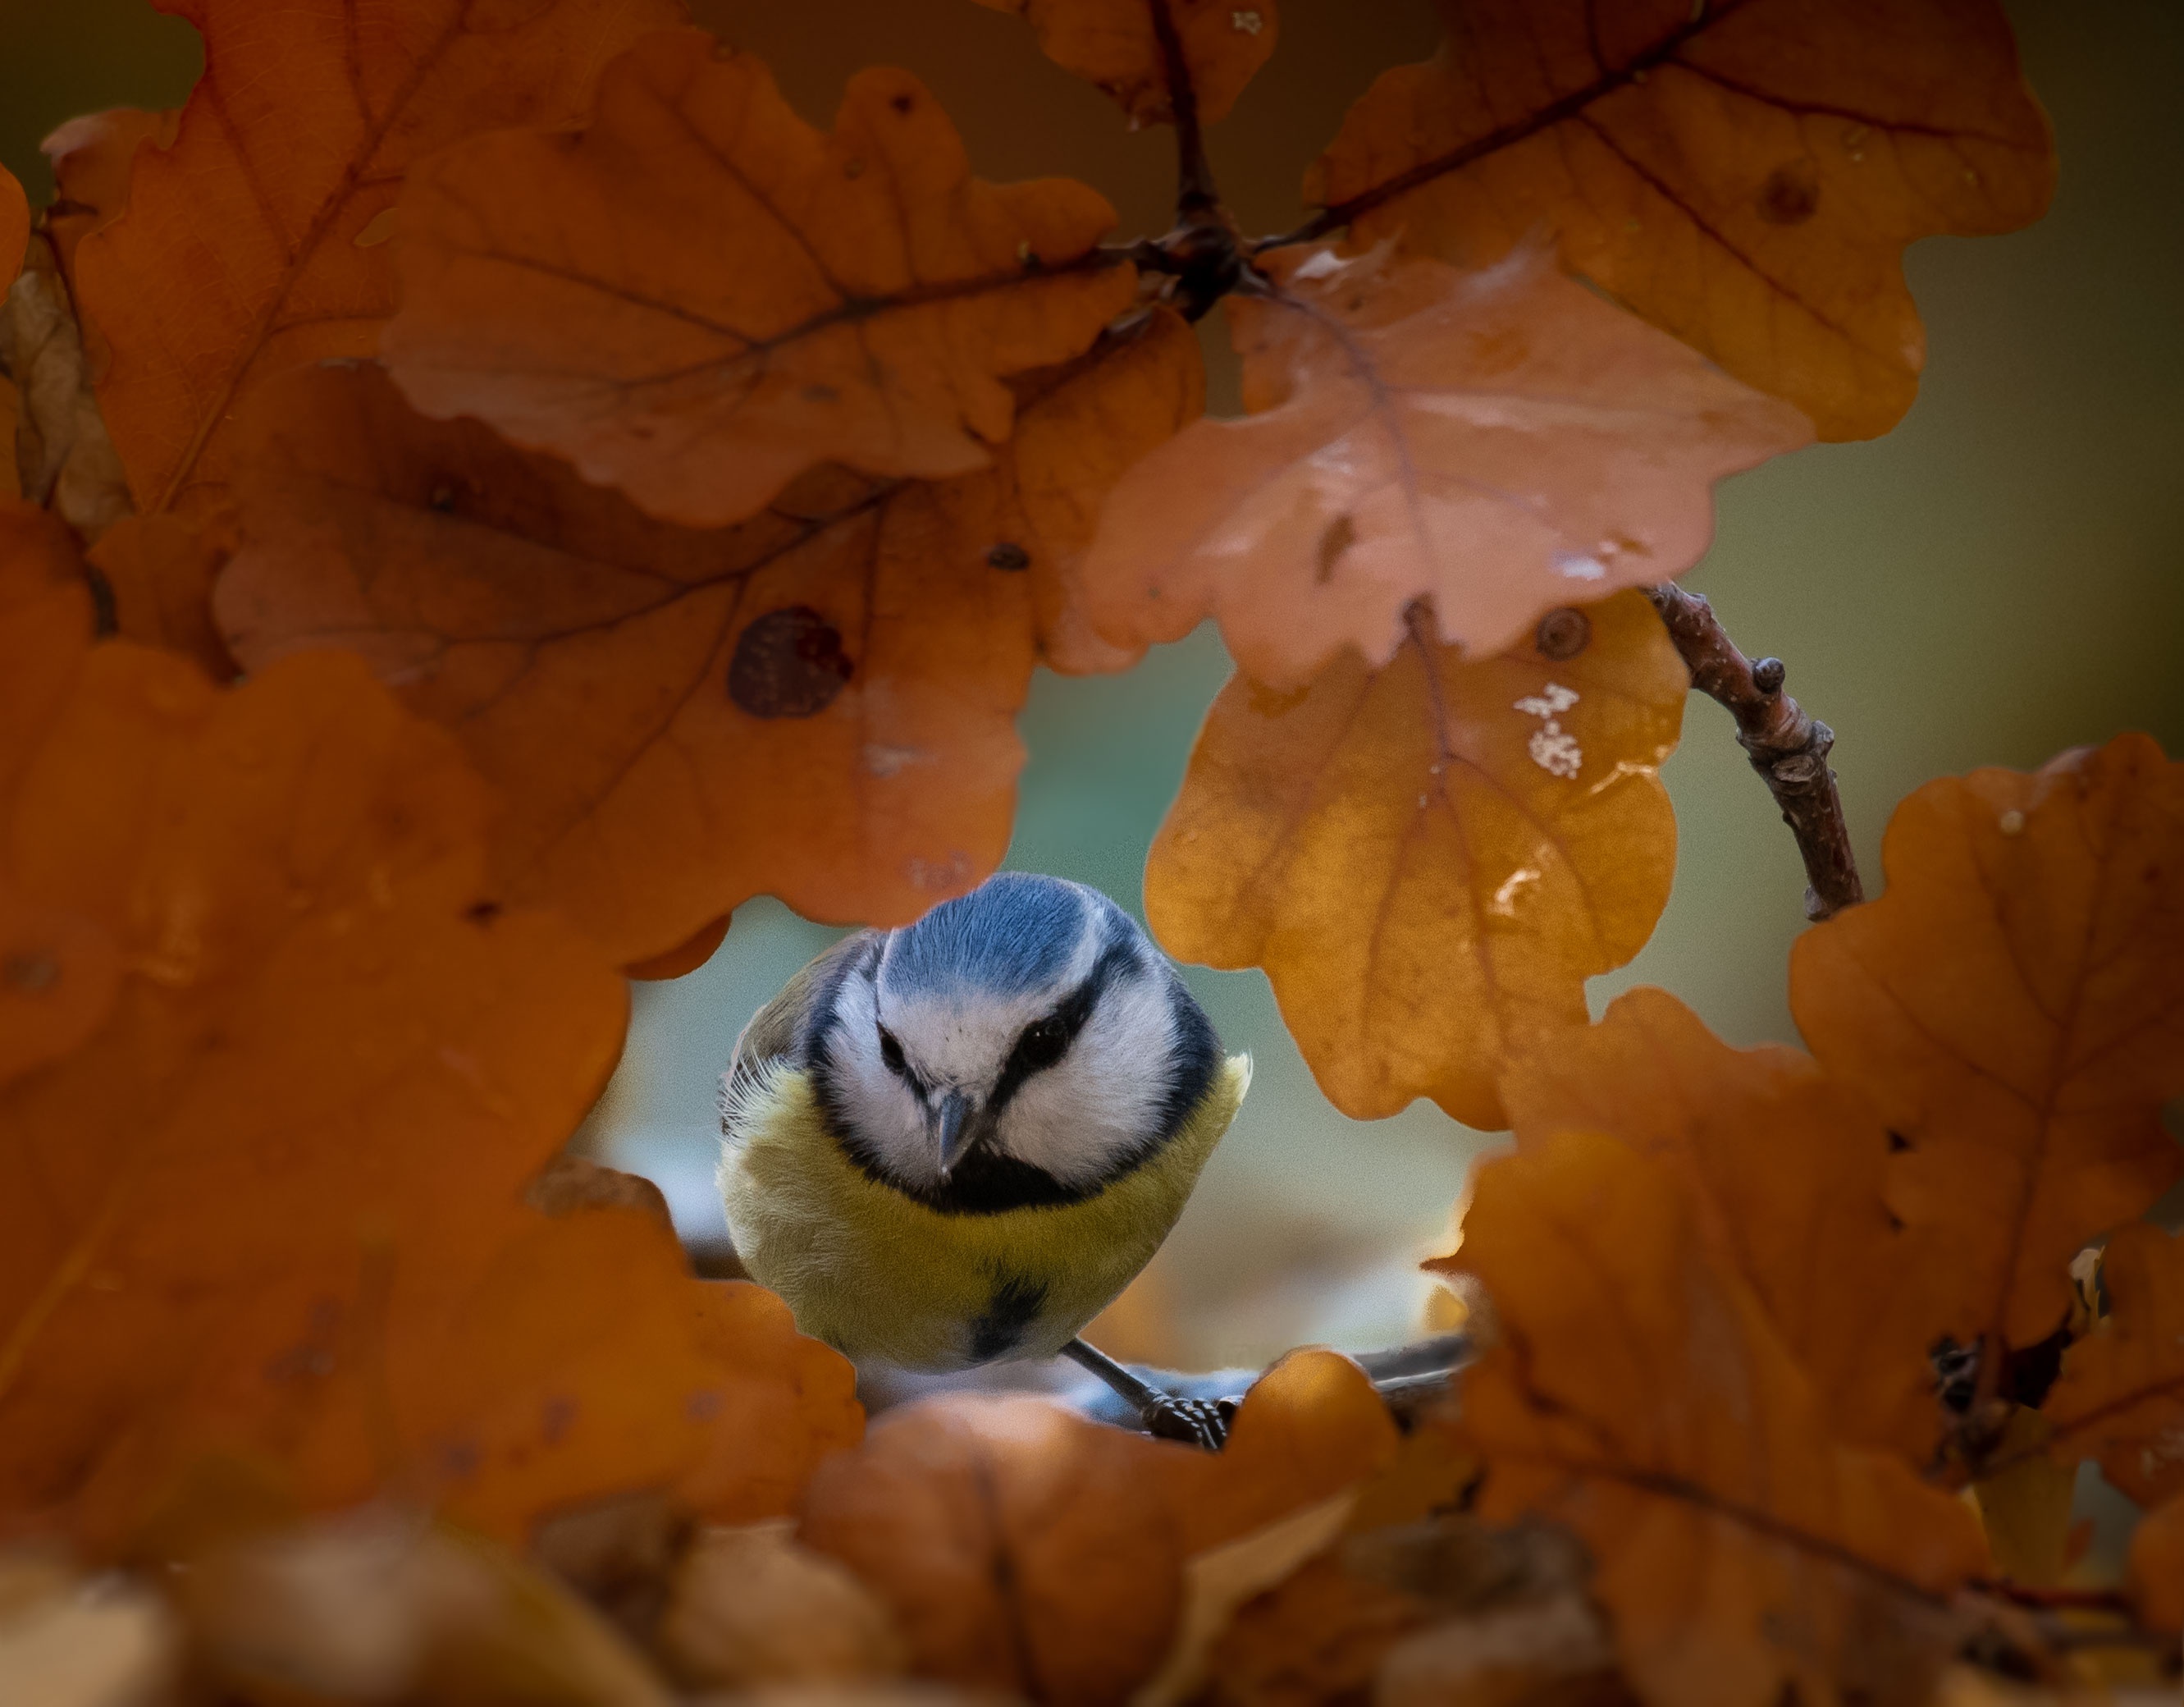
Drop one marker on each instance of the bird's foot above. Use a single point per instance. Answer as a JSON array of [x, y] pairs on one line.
[[1196, 1422]]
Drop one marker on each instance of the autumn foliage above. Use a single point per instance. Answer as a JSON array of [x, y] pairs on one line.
[[497, 488]]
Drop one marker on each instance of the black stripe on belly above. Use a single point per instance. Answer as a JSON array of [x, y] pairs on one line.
[[1013, 1307]]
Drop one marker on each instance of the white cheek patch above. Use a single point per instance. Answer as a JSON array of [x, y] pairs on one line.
[[876, 1104], [1102, 1100]]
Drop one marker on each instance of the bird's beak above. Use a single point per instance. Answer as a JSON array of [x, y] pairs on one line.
[[955, 1130]]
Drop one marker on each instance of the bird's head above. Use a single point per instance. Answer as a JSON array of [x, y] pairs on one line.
[[1028, 1028]]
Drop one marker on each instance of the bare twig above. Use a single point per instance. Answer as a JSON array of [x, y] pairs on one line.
[[1786, 745], [1195, 196]]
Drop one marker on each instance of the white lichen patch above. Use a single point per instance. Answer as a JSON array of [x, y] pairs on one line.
[[1553, 749], [1246, 23]]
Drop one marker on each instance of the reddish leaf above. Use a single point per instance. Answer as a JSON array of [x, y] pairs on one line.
[[2121, 1395], [1503, 442], [2015, 1007], [1746, 175], [854, 659], [1117, 44], [14, 225], [160, 570], [701, 297], [45, 627], [1639, 1394], [254, 241], [92, 157], [1787, 1170], [1430, 859]]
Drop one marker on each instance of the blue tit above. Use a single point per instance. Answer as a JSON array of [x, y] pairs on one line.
[[955, 1142]]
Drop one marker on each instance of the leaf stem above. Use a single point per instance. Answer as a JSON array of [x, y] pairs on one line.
[[1787, 745], [1195, 196]]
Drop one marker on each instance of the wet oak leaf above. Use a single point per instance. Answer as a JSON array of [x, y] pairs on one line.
[[250, 246], [2014, 1006], [1503, 442], [1429, 859], [1787, 1172], [272, 1202], [2120, 1397], [699, 296], [1025, 1549], [818, 704], [1116, 44], [1639, 1395], [1745, 174]]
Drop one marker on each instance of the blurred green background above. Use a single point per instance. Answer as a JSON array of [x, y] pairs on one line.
[[1997, 580]]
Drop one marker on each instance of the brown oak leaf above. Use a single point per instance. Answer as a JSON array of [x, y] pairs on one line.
[[1787, 1172], [1745, 173], [92, 157], [2014, 1006], [818, 704], [1117, 44], [1429, 859], [14, 225], [1640, 1394], [699, 296], [2120, 1397], [2157, 1566], [1503, 442]]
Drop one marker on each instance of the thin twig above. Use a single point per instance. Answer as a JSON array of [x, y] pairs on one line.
[[1194, 195], [1786, 745]]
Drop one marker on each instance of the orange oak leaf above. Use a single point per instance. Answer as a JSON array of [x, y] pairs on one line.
[[1025, 1548], [2157, 1567], [2014, 1008], [91, 158], [2120, 1397], [1640, 1394], [256, 240], [854, 659], [700, 297], [271, 1201], [14, 225], [1503, 442], [46, 619], [160, 569], [1787, 1170], [685, 958], [1745, 173], [1431, 858], [1117, 44]]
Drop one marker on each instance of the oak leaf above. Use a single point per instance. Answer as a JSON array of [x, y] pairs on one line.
[[1640, 1394], [46, 618], [159, 569], [1117, 44], [2120, 1397], [1429, 859], [254, 241], [1787, 1172], [1503, 442], [2157, 1567], [1746, 175], [14, 225], [699, 296], [817, 705], [1025, 1549], [2014, 1006], [92, 157], [271, 1201]]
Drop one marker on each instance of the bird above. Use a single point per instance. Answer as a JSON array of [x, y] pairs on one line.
[[955, 1142]]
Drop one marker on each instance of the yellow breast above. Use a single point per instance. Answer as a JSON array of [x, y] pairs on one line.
[[878, 1274]]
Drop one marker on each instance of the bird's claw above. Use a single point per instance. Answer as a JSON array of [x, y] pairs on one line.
[[1196, 1422]]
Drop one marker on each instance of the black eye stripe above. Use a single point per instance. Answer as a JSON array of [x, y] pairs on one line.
[[1116, 960]]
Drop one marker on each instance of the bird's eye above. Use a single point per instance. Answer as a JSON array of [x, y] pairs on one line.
[[1043, 1043], [891, 1052]]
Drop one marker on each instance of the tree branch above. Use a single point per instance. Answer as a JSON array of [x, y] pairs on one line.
[[1787, 745]]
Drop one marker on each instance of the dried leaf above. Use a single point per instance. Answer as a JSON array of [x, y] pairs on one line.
[[752, 1606], [701, 297], [2121, 1397], [1116, 44], [64, 458], [1430, 859], [241, 254], [2015, 1007], [1503, 443], [854, 658], [2024, 1508], [92, 158], [685, 958], [1787, 1170], [1024, 1547], [2157, 1566], [160, 570], [1640, 1394], [272, 1203], [15, 224], [1744, 175]]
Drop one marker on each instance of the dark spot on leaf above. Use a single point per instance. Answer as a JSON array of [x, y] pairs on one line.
[[29, 973], [555, 1418], [853, 167], [482, 912], [820, 393], [702, 1407], [902, 103], [1008, 555], [1563, 634], [443, 497], [789, 663], [1340, 535], [460, 1459], [1897, 1143], [1791, 195]]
